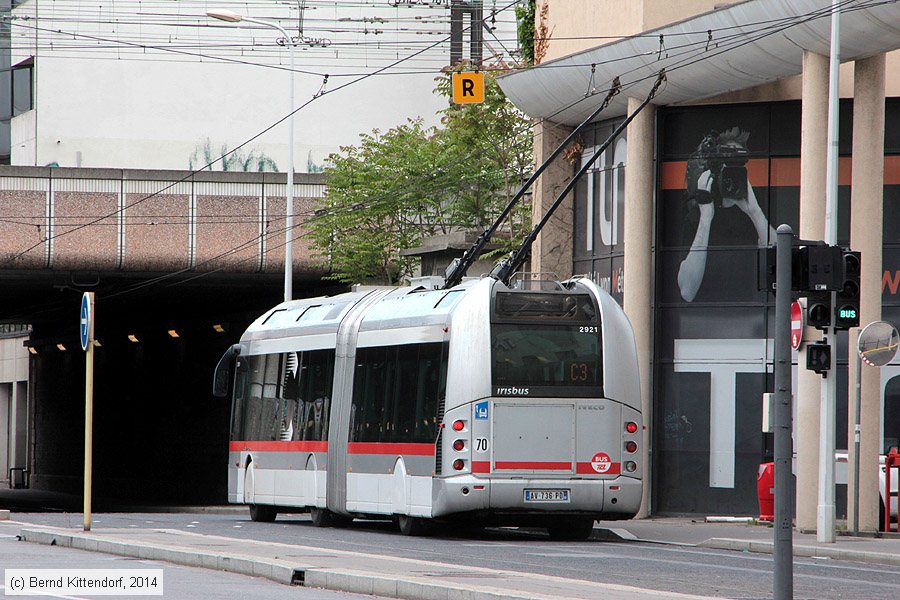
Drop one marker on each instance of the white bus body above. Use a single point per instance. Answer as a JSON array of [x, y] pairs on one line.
[[480, 403]]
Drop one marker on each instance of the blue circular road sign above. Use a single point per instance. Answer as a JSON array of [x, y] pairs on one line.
[[86, 314]]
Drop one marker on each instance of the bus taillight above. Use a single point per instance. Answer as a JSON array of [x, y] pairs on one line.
[[630, 466], [459, 464], [459, 425], [631, 427], [630, 446], [458, 445]]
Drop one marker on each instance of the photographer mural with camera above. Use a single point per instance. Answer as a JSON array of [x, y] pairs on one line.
[[716, 180]]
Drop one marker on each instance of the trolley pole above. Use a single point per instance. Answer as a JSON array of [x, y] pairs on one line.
[[87, 344], [784, 494]]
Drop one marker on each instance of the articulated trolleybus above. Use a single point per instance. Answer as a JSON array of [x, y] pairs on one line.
[[483, 403]]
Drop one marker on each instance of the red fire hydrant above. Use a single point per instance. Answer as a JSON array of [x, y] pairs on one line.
[[765, 491]]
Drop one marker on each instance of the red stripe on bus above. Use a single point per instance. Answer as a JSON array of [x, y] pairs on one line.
[[532, 465], [481, 466], [279, 446], [387, 448], [586, 468]]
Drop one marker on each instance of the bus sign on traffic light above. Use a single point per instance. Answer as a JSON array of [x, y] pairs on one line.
[[846, 307]]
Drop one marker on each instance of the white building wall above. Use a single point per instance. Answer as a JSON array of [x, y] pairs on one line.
[[130, 85], [13, 405]]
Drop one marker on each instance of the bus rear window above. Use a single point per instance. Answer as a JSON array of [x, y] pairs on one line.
[[528, 356], [544, 306]]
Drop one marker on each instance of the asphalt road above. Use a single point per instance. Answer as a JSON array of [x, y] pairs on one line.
[[179, 583], [685, 569]]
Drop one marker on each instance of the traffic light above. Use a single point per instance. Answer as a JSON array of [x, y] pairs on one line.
[[846, 308], [818, 310], [818, 357]]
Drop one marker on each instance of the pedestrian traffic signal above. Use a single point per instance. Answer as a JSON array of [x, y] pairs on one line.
[[818, 310], [846, 307], [818, 357]]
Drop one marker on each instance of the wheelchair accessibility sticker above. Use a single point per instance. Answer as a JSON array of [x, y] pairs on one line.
[[481, 410]]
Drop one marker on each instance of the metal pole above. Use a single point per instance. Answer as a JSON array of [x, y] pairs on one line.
[[784, 493], [856, 450], [825, 515], [289, 195], [89, 415], [289, 219]]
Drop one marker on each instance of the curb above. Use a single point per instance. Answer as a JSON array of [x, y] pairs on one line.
[[882, 558], [278, 571]]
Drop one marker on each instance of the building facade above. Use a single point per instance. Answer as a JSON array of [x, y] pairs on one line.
[[686, 270], [122, 86]]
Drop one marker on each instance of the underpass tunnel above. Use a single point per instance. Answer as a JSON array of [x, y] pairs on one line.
[[159, 435]]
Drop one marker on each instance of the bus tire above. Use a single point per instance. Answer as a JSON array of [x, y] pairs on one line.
[[262, 513], [414, 526], [571, 529], [322, 517]]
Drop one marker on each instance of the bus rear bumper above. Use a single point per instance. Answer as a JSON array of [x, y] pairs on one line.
[[617, 498]]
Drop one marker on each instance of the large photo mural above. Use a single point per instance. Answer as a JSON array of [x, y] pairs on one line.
[[728, 176]]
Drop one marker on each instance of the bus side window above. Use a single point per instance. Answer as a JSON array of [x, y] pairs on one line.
[[237, 407], [270, 423], [253, 403]]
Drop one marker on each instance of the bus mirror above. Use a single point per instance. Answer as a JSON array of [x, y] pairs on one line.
[[223, 370]]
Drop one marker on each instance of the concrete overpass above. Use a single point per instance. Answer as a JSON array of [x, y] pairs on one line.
[[168, 253]]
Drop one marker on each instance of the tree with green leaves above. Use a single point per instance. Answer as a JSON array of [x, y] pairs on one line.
[[395, 187]]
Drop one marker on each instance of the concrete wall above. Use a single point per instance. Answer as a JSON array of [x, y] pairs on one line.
[[576, 25], [13, 405], [152, 220]]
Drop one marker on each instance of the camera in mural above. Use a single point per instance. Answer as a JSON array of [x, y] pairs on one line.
[[718, 190], [718, 169]]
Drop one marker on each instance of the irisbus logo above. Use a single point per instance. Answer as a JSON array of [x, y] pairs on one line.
[[512, 391]]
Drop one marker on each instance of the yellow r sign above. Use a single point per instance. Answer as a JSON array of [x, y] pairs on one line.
[[468, 88]]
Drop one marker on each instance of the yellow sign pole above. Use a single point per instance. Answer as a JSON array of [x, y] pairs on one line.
[[87, 339]]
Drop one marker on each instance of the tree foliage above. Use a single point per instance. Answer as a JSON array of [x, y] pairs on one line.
[[394, 187], [525, 14]]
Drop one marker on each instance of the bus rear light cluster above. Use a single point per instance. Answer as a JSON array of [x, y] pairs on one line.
[[459, 425], [458, 445], [630, 446], [631, 427], [459, 464], [630, 466]]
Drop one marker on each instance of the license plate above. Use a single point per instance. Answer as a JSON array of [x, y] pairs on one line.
[[546, 495]]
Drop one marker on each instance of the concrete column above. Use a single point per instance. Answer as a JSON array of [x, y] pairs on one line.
[[552, 250], [866, 216], [639, 193], [813, 152]]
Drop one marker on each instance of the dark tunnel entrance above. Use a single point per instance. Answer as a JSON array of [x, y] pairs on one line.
[[160, 436]]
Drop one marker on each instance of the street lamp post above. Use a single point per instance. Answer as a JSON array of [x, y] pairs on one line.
[[233, 17]]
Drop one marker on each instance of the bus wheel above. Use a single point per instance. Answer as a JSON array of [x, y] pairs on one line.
[[322, 517], [262, 513], [571, 529], [412, 525]]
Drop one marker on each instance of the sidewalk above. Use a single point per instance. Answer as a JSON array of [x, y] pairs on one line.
[[408, 578], [751, 537], [357, 572]]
